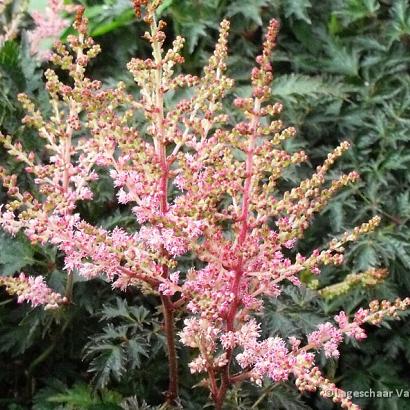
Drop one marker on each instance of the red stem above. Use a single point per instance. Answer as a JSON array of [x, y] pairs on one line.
[[160, 147], [235, 288], [169, 329]]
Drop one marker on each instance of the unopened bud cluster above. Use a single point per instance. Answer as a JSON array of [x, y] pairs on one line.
[[371, 277]]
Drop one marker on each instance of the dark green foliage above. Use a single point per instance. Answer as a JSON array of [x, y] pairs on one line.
[[295, 313], [14, 254], [120, 348], [342, 71], [80, 396]]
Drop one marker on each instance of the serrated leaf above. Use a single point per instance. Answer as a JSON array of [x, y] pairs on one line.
[[354, 10], [17, 338], [194, 32], [249, 10], [286, 398], [400, 25], [132, 314], [342, 59], [291, 85], [365, 256], [80, 396], [402, 251], [136, 349], [298, 9], [109, 362], [115, 350]]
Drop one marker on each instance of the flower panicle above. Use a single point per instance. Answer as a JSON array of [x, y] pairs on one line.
[[146, 9], [33, 290], [262, 74], [196, 181], [371, 277]]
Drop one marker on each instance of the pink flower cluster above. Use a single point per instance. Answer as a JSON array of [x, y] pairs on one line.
[[33, 290], [48, 27], [328, 337]]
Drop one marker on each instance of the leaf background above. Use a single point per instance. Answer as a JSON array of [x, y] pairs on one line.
[[342, 71]]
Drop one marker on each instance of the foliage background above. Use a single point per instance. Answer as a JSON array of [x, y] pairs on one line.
[[342, 70]]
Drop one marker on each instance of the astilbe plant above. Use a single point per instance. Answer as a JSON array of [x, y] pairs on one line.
[[197, 184]]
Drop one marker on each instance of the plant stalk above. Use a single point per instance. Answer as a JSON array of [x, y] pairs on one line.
[[160, 148], [169, 329], [219, 396]]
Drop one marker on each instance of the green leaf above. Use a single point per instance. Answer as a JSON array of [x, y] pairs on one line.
[[18, 337], [194, 31], [132, 314], [365, 255], [108, 17], [250, 10], [164, 6], [9, 55], [125, 18], [113, 352], [108, 363], [400, 25], [342, 60], [298, 9], [297, 85], [15, 254], [10, 63], [354, 10], [402, 251], [136, 350], [286, 397], [132, 403], [80, 396]]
